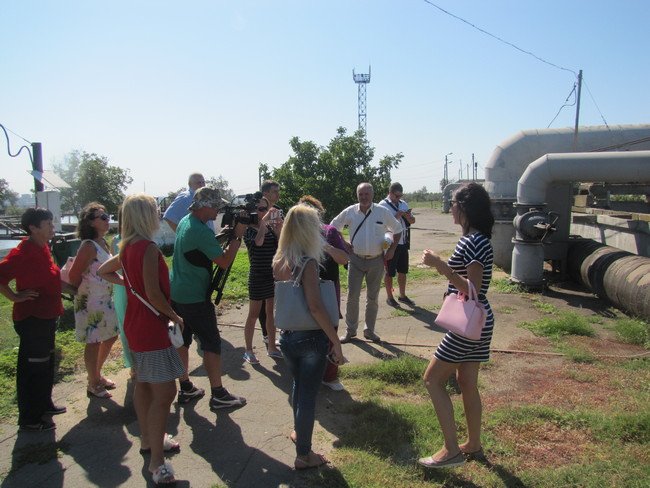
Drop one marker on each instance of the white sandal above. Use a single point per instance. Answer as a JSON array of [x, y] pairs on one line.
[[164, 475]]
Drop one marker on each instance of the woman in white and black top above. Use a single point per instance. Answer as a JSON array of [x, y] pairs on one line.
[[471, 261]]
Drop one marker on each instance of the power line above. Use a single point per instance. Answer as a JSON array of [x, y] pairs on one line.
[[499, 38], [597, 107], [573, 90]]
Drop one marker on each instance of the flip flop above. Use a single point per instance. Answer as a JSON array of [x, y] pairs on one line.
[[300, 464], [108, 384], [450, 462], [169, 445]]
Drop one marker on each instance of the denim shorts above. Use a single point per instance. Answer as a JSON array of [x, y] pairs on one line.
[[200, 319]]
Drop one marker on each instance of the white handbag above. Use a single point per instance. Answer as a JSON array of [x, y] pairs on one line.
[[65, 270]]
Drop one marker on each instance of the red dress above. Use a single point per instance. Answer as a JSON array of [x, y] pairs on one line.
[[144, 330]]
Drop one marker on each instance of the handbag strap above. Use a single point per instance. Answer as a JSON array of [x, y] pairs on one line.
[[146, 303], [298, 278], [471, 295]]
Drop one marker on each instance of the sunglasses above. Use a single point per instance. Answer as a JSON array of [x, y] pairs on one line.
[[262, 209], [103, 216]]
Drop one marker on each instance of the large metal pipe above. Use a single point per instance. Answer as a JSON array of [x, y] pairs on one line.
[[619, 276], [611, 167]]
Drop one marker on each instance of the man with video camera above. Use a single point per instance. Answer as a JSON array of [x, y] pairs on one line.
[[195, 249]]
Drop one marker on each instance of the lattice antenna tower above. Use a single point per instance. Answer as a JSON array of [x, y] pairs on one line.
[[362, 79]]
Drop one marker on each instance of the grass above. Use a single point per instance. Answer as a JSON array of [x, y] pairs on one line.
[[528, 444], [504, 285], [544, 307], [633, 331], [567, 323]]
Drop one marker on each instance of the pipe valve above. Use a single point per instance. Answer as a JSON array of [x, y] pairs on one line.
[[535, 225]]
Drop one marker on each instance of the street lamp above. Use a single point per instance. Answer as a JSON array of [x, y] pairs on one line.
[[446, 177]]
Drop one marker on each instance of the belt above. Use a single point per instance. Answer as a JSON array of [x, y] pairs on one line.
[[367, 256]]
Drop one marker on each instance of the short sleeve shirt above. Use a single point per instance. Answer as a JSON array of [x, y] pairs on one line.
[[402, 206], [195, 249], [368, 241], [179, 208]]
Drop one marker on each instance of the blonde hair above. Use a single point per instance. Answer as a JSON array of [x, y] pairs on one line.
[[139, 218], [301, 237]]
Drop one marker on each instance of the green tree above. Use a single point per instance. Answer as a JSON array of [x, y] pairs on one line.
[[91, 178], [8, 197], [222, 185], [331, 173]]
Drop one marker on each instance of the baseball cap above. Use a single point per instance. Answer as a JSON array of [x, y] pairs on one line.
[[207, 197]]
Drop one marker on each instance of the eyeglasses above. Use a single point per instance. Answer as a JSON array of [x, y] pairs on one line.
[[454, 202], [262, 209], [103, 216]]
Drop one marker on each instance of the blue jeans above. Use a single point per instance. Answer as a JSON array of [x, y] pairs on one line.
[[306, 355]]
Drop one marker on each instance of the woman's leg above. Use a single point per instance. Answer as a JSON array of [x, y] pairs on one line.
[[249, 328], [435, 380], [467, 377], [162, 396], [91, 355], [142, 396], [308, 378], [270, 324], [104, 351]]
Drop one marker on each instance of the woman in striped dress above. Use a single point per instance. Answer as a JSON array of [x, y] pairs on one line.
[[262, 242], [471, 261]]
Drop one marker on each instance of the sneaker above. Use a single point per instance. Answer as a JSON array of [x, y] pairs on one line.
[[407, 301], [347, 337], [55, 410], [42, 426], [251, 358], [371, 336], [391, 302], [226, 400], [335, 385], [186, 396]]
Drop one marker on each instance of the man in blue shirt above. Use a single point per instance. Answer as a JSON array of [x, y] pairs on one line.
[[179, 207]]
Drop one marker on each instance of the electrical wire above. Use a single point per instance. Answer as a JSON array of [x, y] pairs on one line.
[[597, 107], [564, 105], [20, 149], [500, 39]]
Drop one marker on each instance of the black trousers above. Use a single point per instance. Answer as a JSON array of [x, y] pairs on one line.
[[35, 371]]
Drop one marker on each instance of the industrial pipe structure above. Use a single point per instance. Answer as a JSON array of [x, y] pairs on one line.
[[533, 224]]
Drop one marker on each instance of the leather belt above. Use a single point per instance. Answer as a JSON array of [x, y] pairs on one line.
[[366, 256]]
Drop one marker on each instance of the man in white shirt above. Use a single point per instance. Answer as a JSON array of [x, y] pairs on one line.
[[399, 264], [368, 224]]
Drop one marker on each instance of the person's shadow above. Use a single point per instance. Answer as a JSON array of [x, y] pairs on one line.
[[221, 444], [42, 449], [99, 444]]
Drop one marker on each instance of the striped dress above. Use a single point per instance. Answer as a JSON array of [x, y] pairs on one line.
[[260, 276], [454, 348]]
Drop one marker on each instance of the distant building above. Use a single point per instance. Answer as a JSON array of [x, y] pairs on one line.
[[26, 200]]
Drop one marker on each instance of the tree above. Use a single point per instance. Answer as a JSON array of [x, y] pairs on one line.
[[222, 185], [91, 178], [8, 197], [331, 173]]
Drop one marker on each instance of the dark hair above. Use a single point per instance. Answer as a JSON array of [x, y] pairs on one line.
[[395, 187], [85, 230], [34, 216], [474, 201], [268, 184]]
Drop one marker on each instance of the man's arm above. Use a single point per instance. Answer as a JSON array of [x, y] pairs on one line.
[[172, 225], [226, 259]]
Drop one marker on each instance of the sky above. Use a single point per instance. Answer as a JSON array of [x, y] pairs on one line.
[[166, 88]]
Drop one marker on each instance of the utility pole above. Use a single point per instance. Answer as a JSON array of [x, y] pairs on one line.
[[446, 173], [362, 80], [474, 169], [575, 131]]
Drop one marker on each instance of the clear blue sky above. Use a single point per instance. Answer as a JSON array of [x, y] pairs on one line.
[[166, 88]]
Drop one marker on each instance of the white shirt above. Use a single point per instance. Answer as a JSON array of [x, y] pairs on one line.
[[369, 239], [402, 206]]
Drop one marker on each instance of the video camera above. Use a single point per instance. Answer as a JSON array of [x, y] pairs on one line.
[[242, 209]]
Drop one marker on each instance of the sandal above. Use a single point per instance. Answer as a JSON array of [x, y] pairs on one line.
[[164, 475], [98, 391], [169, 445], [107, 384], [275, 355], [314, 461]]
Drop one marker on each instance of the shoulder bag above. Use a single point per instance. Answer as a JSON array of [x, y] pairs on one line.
[[463, 317], [291, 311]]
